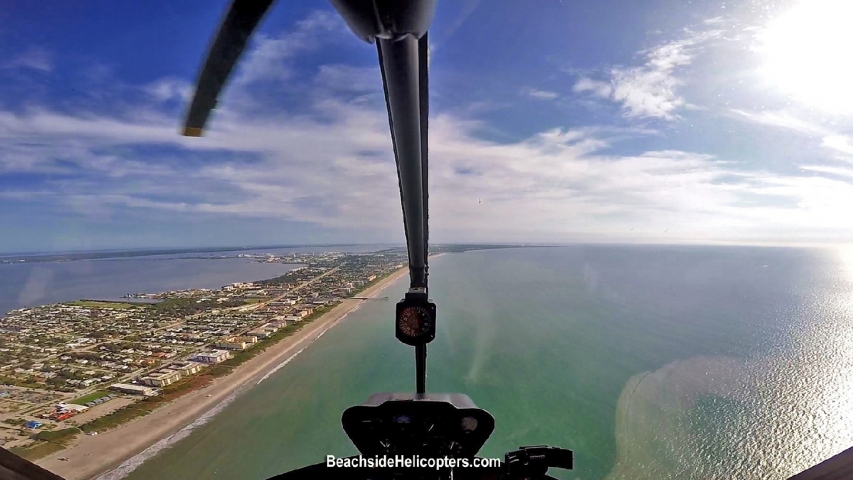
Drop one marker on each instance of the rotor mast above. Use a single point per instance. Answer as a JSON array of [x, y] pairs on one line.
[[401, 76], [404, 76], [400, 32]]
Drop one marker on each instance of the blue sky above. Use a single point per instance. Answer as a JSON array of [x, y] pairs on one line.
[[551, 121]]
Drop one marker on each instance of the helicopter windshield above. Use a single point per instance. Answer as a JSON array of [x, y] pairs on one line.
[[637, 248]]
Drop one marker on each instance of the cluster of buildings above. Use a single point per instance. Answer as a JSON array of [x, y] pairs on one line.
[[170, 374], [212, 356], [64, 411], [131, 389], [72, 348]]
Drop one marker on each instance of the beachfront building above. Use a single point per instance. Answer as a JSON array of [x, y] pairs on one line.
[[72, 407], [273, 327], [65, 411], [212, 356], [186, 368], [161, 377], [278, 323], [249, 339], [230, 343], [261, 332], [237, 343], [133, 389], [266, 330]]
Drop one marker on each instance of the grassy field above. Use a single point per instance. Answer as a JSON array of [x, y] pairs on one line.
[[46, 443], [251, 300], [88, 398], [100, 304]]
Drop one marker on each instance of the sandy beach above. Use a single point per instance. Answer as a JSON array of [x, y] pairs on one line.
[[93, 455]]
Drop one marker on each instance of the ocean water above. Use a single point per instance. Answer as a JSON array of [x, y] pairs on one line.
[[31, 284], [648, 362]]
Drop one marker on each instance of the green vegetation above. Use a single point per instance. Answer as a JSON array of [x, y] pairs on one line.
[[37, 450], [253, 300], [28, 382], [90, 397], [46, 443], [63, 435], [102, 304]]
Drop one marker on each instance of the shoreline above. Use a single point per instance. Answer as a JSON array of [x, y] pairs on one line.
[[100, 455]]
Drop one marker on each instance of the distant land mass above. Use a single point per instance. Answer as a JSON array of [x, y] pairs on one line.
[[100, 254], [105, 254]]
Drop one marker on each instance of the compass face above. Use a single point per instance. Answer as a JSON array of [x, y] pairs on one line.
[[413, 321]]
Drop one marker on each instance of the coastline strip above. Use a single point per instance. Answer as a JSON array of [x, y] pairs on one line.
[[127, 446]]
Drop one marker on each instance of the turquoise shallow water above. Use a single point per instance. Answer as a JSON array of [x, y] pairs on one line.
[[648, 362]]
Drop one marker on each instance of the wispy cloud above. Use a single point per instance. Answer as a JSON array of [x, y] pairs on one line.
[[334, 168], [34, 59], [267, 59], [839, 142], [828, 133], [167, 89], [348, 78], [330, 164], [836, 171], [540, 94], [783, 119], [649, 90]]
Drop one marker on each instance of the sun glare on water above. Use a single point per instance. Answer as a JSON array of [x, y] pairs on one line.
[[808, 54]]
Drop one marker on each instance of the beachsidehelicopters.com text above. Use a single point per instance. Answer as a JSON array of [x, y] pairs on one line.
[[404, 461]]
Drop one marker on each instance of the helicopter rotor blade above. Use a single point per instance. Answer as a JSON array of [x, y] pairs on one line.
[[241, 20]]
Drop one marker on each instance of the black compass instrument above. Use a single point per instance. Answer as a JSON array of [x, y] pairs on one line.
[[415, 321]]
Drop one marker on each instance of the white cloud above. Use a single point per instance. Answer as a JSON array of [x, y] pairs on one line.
[[170, 89], [839, 143], [830, 138], [784, 119], [267, 58], [330, 164], [347, 78], [34, 59], [540, 94], [602, 89], [837, 171], [337, 170], [649, 90]]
